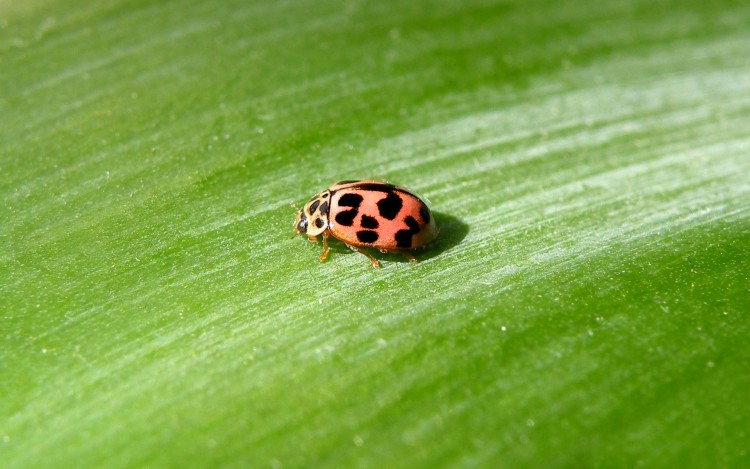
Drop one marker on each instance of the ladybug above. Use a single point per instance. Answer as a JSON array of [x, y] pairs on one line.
[[367, 214]]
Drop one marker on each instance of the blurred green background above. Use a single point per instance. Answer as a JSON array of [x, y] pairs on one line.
[[585, 306]]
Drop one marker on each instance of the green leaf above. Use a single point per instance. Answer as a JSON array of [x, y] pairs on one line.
[[585, 304]]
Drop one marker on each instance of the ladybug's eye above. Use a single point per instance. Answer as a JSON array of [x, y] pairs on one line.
[[302, 225]]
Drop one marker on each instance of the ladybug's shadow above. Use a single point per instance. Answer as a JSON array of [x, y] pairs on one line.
[[451, 232]]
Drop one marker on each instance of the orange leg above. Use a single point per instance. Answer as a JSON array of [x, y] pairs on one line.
[[408, 256], [325, 247], [374, 261]]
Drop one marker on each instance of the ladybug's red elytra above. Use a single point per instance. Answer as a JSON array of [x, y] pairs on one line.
[[368, 214]]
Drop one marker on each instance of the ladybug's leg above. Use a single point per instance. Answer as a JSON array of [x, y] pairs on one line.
[[325, 247], [408, 256], [374, 261]]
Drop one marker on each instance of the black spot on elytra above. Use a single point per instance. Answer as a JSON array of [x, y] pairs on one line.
[[314, 206], [346, 218], [412, 224], [403, 237], [390, 206], [350, 200], [369, 222], [367, 236], [318, 223], [425, 214], [324, 208]]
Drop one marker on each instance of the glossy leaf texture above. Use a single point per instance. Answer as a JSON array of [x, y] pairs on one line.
[[586, 303]]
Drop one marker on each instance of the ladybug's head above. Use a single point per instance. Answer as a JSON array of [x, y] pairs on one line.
[[300, 222], [312, 219]]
